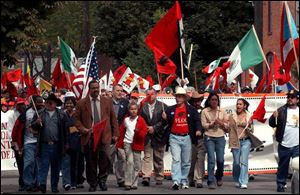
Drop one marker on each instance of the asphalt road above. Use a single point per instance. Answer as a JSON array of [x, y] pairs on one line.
[[262, 184]]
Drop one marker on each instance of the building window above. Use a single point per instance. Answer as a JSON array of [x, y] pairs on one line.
[[270, 58], [269, 18]]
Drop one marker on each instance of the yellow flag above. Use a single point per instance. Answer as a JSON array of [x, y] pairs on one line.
[[28, 70], [45, 85]]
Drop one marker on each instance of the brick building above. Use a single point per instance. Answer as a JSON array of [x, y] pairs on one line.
[[267, 23]]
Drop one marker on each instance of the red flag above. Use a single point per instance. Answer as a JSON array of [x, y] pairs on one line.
[[151, 82], [166, 39], [11, 89], [287, 38], [224, 67], [30, 85], [98, 128], [168, 81], [59, 78], [269, 81], [259, 113], [261, 84], [56, 74], [3, 80], [163, 64], [118, 73], [279, 73], [14, 75]]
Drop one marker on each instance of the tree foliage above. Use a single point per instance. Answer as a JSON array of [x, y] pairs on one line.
[[20, 26], [214, 28]]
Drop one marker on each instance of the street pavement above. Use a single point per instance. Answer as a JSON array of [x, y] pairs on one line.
[[262, 184]]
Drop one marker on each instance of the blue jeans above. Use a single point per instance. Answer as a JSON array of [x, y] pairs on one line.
[[49, 155], [66, 169], [181, 147], [240, 162], [215, 145], [30, 171], [285, 155]]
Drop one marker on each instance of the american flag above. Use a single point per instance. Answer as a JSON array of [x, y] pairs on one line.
[[90, 66]]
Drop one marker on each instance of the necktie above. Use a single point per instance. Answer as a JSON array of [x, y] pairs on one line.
[[96, 113]]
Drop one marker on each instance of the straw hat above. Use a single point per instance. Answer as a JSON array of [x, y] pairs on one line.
[[180, 91]]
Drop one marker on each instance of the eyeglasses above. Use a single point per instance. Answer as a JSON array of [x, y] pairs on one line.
[[291, 97]]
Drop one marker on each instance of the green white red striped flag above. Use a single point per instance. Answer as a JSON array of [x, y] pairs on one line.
[[68, 58], [245, 55]]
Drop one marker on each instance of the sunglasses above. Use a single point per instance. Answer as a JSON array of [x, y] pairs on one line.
[[292, 97]]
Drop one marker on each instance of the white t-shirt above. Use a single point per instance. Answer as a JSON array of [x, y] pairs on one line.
[[291, 133], [130, 127], [28, 136]]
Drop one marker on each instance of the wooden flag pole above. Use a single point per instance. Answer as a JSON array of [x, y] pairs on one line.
[[35, 110], [196, 87], [181, 63], [190, 56], [160, 91], [275, 91], [291, 34], [261, 50]]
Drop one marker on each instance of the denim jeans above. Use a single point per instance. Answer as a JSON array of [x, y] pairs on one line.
[[49, 155], [285, 155], [181, 148], [240, 162], [30, 171], [77, 167], [66, 169], [215, 145]]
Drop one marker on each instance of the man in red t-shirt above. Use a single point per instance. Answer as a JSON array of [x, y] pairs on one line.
[[183, 125]]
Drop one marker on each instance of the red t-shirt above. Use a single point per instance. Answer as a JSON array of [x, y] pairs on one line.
[[180, 125]]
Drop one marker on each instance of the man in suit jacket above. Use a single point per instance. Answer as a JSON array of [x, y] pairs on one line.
[[154, 147], [120, 106], [89, 111]]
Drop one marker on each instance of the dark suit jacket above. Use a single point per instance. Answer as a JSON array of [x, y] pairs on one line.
[[192, 118], [84, 118], [123, 110], [156, 122]]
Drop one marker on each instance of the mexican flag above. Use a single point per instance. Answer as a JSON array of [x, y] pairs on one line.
[[245, 55], [68, 58], [211, 67]]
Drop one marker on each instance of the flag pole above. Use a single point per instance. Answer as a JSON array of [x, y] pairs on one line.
[[275, 91], [290, 28], [35, 109], [181, 63], [261, 50], [196, 87], [163, 107], [190, 56]]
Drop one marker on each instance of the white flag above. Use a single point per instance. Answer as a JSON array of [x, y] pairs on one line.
[[110, 81], [253, 79], [142, 84], [103, 82], [128, 81]]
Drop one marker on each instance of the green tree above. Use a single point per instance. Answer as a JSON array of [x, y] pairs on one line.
[[21, 26]]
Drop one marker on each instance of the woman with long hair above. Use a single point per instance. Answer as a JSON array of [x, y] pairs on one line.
[[215, 123], [240, 142]]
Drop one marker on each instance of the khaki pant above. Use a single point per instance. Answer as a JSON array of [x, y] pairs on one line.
[[153, 158], [118, 158], [197, 169], [133, 165]]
